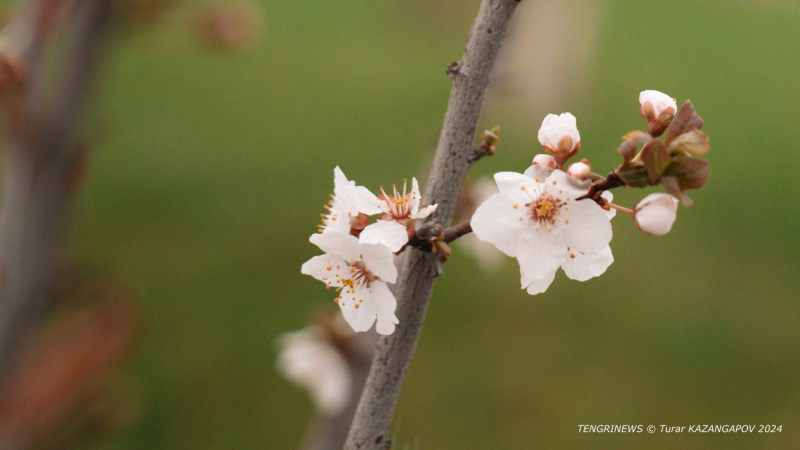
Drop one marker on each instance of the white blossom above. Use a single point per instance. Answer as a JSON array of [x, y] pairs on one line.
[[659, 101], [656, 213], [360, 272], [399, 213], [347, 201], [313, 363], [539, 222]]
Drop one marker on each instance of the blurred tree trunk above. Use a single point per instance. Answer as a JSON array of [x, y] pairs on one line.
[[47, 53]]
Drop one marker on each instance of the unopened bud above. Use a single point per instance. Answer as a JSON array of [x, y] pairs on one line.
[[659, 109], [358, 223], [657, 105], [559, 136], [656, 213], [544, 160], [580, 170]]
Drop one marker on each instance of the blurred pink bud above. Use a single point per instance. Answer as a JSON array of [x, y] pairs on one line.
[[580, 170], [657, 106], [656, 213], [544, 160]]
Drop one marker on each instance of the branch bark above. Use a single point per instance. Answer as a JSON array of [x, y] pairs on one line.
[[454, 152], [41, 158]]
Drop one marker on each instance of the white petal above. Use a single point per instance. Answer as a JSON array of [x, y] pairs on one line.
[[587, 265], [339, 180], [512, 181], [424, 212], [337, 243], [538, 172], [379, 260], [540, 253], [538, 285], [564, 186], [385, 305], [329, 269], [498, 222], [416, 197], [358, 309], [363, 201], [589, 229], [386, 232]]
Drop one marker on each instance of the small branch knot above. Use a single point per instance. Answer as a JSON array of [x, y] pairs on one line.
[[453, 69]]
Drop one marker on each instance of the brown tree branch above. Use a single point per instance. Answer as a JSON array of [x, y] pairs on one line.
[[454, 153], [41, 156]]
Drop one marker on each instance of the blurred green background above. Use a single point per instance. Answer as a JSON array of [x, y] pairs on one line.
[[210, 168]]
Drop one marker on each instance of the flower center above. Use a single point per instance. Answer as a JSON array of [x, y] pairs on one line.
[[398, 206], [360, 274], [544, 209]]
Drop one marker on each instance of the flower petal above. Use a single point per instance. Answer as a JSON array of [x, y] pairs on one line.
[[424, 212], [512, 181], [499, 222], [537, 285], [363, 200], [379, 260], [566, 186], [329, 269], [538, 172], [386, 232], [358, 309], [385, 305], [540, 252], [589, 229], [584, 266], [337, 243]]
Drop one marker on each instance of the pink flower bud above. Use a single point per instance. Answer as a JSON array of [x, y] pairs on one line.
[[559, 136], [544, 160], [657, 106], [656, 213], [559, 132], [580, 170]]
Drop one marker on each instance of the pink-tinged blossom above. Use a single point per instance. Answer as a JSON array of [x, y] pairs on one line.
[[359, 272], [348, 205], [399, 211], [654, 104], [656, 213], [313, 363], [539, 222]]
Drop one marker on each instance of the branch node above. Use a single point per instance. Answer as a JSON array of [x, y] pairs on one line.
[[453, 69]]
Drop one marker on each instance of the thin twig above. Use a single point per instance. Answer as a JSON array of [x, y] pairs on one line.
[[413, 289]]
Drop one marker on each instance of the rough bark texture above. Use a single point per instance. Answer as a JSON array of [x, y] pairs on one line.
[[454, 152], [39, 119]]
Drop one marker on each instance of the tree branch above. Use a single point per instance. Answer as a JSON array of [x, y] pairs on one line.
[[415, 282], [41, 159]]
